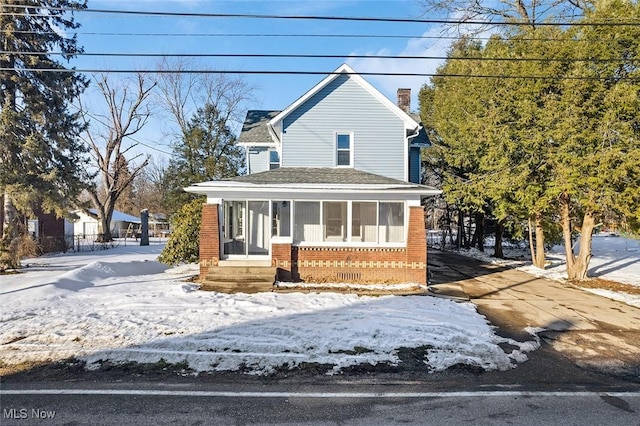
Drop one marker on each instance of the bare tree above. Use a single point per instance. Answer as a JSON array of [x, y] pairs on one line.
[[181, 94], [513, 11], [149, 189], [109, 141]]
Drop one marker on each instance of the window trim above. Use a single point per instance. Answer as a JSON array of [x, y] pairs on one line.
[[351, 148]]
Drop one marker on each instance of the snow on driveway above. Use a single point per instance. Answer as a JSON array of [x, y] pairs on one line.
[[122, 305]]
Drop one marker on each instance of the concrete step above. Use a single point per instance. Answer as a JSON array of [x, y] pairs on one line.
[[239, 279], [237, 287], [243, 271]]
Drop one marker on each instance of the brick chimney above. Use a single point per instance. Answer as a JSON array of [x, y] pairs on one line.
[[404, 100]]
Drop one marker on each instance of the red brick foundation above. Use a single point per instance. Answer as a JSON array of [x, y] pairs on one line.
[[209, 238]]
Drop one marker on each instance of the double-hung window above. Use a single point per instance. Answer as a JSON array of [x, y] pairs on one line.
[[274, 160], [344, 149]]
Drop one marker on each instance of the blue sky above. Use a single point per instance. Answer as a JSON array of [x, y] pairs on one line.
[[272, 91]]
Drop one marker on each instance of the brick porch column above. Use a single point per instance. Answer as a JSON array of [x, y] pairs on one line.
[[416, 246], [209, 238], [281, 257]]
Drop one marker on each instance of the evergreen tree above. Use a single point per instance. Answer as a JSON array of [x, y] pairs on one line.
[[41, 156], [455, 110], [207, 151], [551, 149], [597, 142]]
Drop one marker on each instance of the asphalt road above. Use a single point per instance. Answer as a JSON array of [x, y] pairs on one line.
[[339, 405]]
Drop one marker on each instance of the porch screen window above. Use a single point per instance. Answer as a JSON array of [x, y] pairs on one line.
[[281, 219], [364, 218], [391, 222], [334, 216], [343, 148], [307, 221]]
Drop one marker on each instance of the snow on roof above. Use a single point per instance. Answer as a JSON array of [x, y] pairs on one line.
[[119, 216]]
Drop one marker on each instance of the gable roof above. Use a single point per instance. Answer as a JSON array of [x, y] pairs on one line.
[[345, 69], [254, 129]]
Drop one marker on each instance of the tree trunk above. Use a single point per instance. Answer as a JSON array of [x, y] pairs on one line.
[[536, 243], [577, 266], [478, 235], [104, 220], [9, 255], [460, 239], [498, 245], [468, 235]]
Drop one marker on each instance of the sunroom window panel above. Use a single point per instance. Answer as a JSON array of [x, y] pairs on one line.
[[363, 222], [335, 221], [307, 226], [391, 222], [281, 219]]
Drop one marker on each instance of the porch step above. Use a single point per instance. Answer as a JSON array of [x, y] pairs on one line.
[[239, 279]]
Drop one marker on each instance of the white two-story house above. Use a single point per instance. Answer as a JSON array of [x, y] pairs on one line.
[[332, 193]]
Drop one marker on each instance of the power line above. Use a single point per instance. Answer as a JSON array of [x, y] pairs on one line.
[[297, 35], [309, 17], [283, 72], [318, 56]]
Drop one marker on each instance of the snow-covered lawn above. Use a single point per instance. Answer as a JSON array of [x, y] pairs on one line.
[[615, 258], [122, 305]]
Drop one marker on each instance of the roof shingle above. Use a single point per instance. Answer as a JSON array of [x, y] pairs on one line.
[[254, 128], [317, 175]]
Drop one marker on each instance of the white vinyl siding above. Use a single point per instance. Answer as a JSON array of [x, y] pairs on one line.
[[378, 142], [257, 160]]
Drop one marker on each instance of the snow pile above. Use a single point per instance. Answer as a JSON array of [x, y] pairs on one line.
[[121, 305]]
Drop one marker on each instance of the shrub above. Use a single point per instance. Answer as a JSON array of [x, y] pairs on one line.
[[184, 242]]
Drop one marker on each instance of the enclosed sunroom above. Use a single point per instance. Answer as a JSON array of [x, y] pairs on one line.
[[315, 225]]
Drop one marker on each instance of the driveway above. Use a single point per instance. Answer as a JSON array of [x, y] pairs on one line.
[[592, 331]]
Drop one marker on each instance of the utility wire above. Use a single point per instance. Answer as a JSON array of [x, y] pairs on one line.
[[282, 72], [373, 36], [307, 17], [320, 56]]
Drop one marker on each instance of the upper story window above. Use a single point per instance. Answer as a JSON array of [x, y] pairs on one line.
[[274, 160], [344, 149]]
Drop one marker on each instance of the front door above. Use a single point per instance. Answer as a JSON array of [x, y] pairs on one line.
[[246, 229]]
